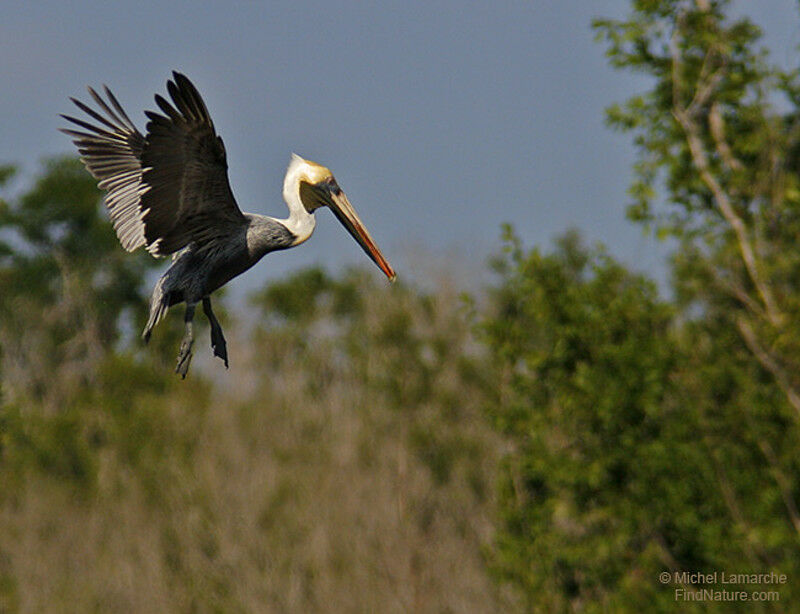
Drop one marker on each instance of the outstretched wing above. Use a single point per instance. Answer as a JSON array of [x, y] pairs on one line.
[[167, 189]]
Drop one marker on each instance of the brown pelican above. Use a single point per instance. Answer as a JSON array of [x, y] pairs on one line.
[[168, 191]]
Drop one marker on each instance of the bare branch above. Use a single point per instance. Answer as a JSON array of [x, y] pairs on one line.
[[705, 89], [738, 292], [769, 363], [717, 127], [725, 206], [684, 117]]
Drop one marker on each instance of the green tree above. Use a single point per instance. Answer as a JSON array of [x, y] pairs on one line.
[[718, 136], [586, 351], [82, 416], [653, 436], [642, 441], [71, 380], [65, 283], [713, 144]]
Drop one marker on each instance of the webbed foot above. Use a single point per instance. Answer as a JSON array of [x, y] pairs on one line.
[[218, 344]]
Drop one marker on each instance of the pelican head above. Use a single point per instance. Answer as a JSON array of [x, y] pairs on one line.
[[317, 188]]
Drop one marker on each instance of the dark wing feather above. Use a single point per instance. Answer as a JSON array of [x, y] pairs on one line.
[[167, 189]]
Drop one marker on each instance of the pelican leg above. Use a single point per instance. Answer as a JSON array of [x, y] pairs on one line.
[[185, 355], [217, 338]]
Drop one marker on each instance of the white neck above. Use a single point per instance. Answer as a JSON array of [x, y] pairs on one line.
[[300, 222]]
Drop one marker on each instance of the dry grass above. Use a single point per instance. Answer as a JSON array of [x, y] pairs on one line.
[[311, 478]]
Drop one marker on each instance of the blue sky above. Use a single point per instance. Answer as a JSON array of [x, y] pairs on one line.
[[441, 120]]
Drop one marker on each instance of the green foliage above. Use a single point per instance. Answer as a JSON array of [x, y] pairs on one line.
[[82, 419], [401, 354], [64, 287], [707, 72], [649, 436], [587, 351], [717, 164], [300, 297], [718, 136], [64, 270], [641, 442]]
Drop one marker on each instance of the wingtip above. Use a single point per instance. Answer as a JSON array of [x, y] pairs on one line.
[[179, 77]]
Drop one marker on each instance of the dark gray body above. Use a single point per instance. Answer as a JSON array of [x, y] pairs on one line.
[[200, 270]]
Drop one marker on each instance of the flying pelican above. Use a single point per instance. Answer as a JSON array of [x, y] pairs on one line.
[[168, 191]]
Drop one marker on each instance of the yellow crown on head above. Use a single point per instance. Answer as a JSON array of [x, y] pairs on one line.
[[309, 171]]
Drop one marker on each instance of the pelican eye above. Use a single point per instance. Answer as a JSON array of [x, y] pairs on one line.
[[332, 186]]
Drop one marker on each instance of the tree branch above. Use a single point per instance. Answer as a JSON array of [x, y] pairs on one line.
[[700, 160], [717, 127], [738, 292], [685, 118], [769, 363]]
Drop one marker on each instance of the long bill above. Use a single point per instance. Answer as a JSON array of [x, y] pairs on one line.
[[343, 210]]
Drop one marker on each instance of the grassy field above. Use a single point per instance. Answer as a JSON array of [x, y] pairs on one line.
[[342, 464]]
